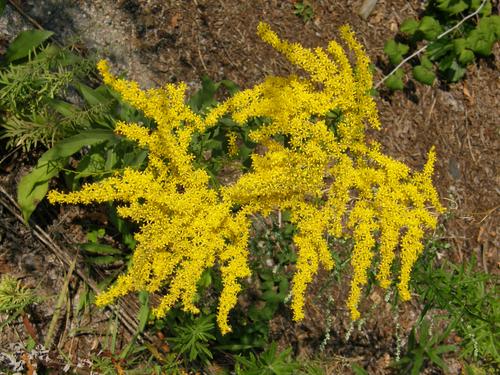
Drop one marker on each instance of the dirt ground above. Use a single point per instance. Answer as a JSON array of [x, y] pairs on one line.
[[159, 41]]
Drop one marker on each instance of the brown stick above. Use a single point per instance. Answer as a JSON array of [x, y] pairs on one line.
[[126, 308]]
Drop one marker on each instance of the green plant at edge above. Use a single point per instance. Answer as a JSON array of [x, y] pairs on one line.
[[446, 58], [35, 77], [269, 362], [304, 10], [470, 299], [192, 338], [425, 347], [14, 298]]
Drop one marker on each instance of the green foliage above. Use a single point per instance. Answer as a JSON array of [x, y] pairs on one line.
[[304, 10], [395, 51], [425, 347], [25, 43], [470, 299], [272, 253], [211, 148], [358, 370], [14, 298], [34, 186], [85, 138], [269, 362], [423, 74], [448, 56], [192, 338], [32, 88], [2, 6], [429, 28], [36, 79], [395, 81]]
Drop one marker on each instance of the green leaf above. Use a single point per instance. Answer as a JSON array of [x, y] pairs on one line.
[[455, 72], [64, 108], [459, 45], [231, 86], [423, 75], [358, 370], [90, 164], [33, 187], [426, 62], [92, 96], [395, 51], [2, 6], [430, 27], [94, 235], [452, 6], [417, 363], [479, 45], [466, 57], [445, 349], [481, 39], [204, 97], [436, 359], [439, 48], [25, 42], [446, 62], [103, 260], [485, 11], [143, 315], [97, 248], [395, 81], [409, 26]]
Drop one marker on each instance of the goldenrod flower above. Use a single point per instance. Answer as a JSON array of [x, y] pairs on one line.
[[314, 175]]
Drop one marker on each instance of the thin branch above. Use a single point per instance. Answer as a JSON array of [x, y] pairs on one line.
[[126, 308], [416, 53]]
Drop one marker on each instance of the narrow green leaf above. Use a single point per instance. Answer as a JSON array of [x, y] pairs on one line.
[[91, 96], [25, 42], [143, 315], [64, 108], [445, 349], [436, 359], [358, 370], [439, 48], [97, 248], [103, 260], [232, 87], [417, 363]]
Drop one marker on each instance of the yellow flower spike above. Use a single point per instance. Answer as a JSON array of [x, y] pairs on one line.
[[187, 226], [232, 145]]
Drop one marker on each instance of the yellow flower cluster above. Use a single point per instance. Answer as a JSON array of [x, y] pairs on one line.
[[331, 180]]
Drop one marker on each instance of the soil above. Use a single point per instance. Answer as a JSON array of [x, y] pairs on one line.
[[158, 41]]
